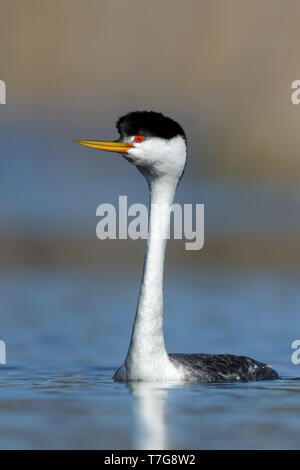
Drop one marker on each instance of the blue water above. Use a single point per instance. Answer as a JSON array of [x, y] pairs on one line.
[[67, 332]]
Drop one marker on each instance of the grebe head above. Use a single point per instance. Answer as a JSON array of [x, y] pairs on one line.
[[154, 143]]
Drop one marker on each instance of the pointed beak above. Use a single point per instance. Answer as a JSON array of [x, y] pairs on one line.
[[118, 147]]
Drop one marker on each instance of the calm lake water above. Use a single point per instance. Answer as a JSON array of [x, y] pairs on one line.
[[66, 333]]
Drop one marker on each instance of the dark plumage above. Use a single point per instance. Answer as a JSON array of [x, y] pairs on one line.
[[148, 124], [223, 368]]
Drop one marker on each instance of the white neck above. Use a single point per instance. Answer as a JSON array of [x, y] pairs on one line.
[[147, 353]]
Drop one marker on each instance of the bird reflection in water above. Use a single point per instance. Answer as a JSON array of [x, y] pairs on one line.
[[151, 431]]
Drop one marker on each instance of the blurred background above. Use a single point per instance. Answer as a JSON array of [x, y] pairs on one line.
[[223, 70]]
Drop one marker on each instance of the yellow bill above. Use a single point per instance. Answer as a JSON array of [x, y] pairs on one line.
[[118, 147]]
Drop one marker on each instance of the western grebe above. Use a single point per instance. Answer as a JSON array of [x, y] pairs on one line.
[[156, 145]]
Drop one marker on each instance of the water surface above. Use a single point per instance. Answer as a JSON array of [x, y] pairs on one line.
[[67, 332]]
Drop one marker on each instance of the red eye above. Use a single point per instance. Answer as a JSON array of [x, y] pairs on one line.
[[139, 139]]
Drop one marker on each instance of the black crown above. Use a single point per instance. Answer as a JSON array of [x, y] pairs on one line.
[[149, 124]]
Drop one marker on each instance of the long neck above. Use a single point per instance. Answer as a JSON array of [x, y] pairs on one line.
[[147, 340]]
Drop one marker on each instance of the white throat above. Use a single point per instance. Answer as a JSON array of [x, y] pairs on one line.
[[147, 358]]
